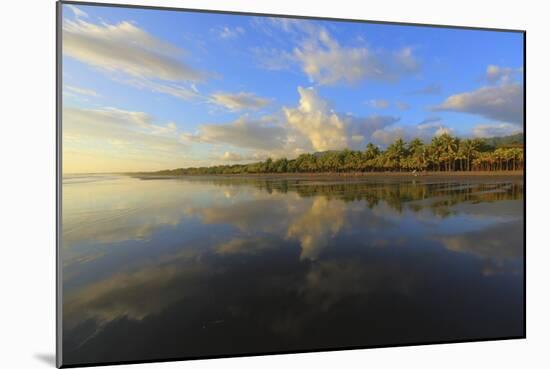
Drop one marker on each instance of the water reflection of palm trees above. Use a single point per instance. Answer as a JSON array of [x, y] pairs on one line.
[[397, 195]]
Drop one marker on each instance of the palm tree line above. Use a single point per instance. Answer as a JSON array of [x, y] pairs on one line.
[[445, 153]]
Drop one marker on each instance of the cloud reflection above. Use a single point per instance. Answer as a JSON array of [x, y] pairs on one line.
[[317, 226]]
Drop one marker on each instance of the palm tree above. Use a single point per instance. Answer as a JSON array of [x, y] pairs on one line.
[[436, 152], [450, 148], [469, 150], [396, 151], [371, 151], [417, 150], [415, 146], [518, 158]]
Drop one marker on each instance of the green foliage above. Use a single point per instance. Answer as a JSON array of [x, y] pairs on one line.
[[444, 153], [505, 141]]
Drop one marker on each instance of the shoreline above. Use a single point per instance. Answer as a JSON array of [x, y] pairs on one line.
[[518, 174]]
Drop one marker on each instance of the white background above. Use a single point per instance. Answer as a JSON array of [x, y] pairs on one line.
[[27, 144]]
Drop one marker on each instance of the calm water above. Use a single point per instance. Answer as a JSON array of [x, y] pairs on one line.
[[198, 267]]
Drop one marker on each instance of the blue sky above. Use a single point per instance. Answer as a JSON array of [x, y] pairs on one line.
[[153, 89]]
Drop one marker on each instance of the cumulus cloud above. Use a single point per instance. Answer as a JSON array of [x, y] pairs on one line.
[[326, 129], [126, 48], [498, 74], [379, 103], [326, 62], [502, 103], [239, 101], [492, 130], [312, 125]]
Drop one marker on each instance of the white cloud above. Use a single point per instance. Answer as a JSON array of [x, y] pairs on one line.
[[310, 126], [239, 101], [324, 59], [273, 59], [80, 90], [232, 156], [405, 62], [236, 157], [252, 134], [326, 62], [79, 13], [326, 129], [312, 118], [497, 74], [492, 130], [229, 32], [125, 48], [503, 103], [290, 25], [172, 89], [424, 130]]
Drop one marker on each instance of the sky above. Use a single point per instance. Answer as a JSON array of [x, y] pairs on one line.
[[155, 89]]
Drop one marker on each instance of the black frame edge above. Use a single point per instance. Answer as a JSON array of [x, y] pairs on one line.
[[58, 188], [525, 184]]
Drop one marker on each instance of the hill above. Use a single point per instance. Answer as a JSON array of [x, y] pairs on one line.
[[505, 141]]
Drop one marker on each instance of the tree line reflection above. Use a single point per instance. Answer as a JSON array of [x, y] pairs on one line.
[[398, 195]]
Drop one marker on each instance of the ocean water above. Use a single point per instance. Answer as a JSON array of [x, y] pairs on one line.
[[195, 267]]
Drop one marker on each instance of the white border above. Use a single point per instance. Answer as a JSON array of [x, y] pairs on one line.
[[28, 183]]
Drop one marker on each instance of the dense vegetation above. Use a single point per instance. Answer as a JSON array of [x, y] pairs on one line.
[[443, 153]]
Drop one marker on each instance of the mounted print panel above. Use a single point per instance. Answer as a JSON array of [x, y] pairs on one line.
[[237, 184]]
